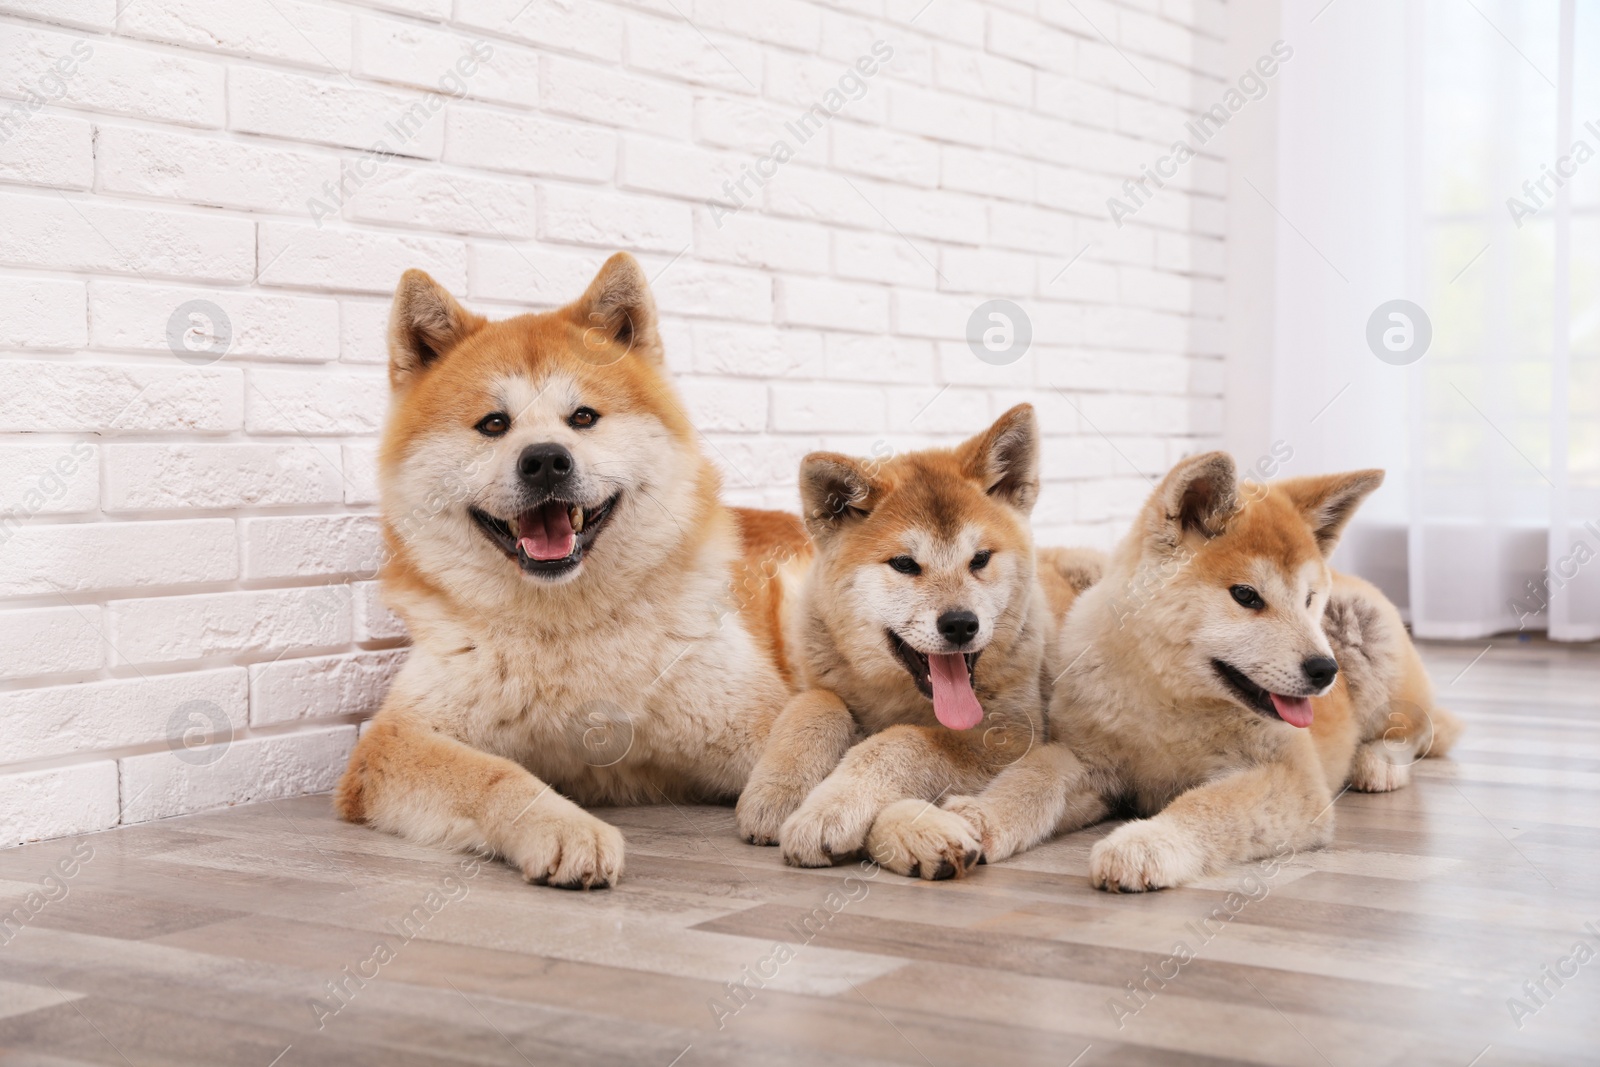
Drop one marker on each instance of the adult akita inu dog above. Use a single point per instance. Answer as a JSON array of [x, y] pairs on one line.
[[1222, 682], [921, 621], [587, 618]]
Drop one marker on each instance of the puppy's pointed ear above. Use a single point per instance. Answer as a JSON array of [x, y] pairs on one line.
[[618, 314], [424, 324], [1197, 496], [1329, 501], [835, 491], [1004, 459]]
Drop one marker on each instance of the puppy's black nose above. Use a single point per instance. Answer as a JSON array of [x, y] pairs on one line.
[[545, 466], [958, 627], [1320, 670]]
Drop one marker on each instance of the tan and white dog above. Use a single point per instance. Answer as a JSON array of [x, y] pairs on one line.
[[923, 624], [588, 620], [1222, 683]]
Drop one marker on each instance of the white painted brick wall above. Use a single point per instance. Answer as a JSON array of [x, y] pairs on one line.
[[188, 530]]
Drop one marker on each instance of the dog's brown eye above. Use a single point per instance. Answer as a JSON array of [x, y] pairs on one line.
[[981, 560], [1310, 597], [905, 565], [494, 425], [1247, 597], [583, 418]]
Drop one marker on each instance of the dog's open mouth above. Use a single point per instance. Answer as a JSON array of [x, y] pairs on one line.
[[946, 679], [1296, 711], [548, 540]]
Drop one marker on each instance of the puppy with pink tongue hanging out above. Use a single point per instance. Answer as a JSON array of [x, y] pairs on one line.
[[923, 624]]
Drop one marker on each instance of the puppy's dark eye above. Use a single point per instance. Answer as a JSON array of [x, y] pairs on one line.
[[1310, 597], [494, 425], [1247, 597], [583, 418], [905, 565], [981, 560]]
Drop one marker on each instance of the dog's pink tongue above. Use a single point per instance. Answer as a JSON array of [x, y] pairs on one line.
[[1296, 711], [954, 702], [545, 533]]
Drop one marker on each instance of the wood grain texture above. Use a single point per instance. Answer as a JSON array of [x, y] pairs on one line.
[[209, 940]]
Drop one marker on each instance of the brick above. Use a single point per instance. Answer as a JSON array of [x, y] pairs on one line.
[[43, 313], [141, 318], [169, 629], [960, 20], [164, 476], [360, 465], [755, 240], [58, 802], [327, 111], [48, 479], [41, 231], [92, 14], [824, 88], [39, 397], [40, 641], [316, 687], [987, 271], [727, 406], [299, 546], [45, 149], [81, 557], [530, 274], [688, 287], [859, 358], [747, 125], [883, 154], [942, 116], [308, 34], [587, 29], [791, 23], [833, 305], [652, 165], [683, 52], [882, 257], [756, 352], [592, 217], [975, 73], [207, 170], [373, 621], [822, 196], [363, 331], [65, 720], [159, 785], [986, 173], [1027, 40], [103, 75], [529, 144], [357, 261], [600, 94], [827, 408], [421, 56], [302, 403], [437, 200]]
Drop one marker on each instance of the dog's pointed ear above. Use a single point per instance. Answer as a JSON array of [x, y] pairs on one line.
[[1197, 496], [835, 491], [618, 310], [1004, 459], [425, 323], [1329, 501]]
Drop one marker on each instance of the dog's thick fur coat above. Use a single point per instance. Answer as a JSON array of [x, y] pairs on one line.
[[1207, 623], [955, 521], [650, 668]]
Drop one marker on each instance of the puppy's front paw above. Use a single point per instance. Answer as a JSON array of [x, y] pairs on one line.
[[1377, 768], [569, 850], [915, 838], [762, 809], [1145, 854], [824, 830], [975, 814]]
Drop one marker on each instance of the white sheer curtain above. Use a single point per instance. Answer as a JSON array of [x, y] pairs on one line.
[[1406, 130]]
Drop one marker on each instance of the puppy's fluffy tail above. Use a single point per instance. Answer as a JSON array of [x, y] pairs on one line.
[[1064, 573], [1446, 731]]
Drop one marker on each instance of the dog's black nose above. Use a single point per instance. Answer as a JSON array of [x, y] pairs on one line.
[[1320, 670], [958, 627], [545, 466]]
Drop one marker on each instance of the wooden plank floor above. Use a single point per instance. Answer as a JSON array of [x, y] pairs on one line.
[[212, 939]]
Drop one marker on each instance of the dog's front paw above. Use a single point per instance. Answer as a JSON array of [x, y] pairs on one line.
[[824, 830], [975, 814], [915, 838], [762, 809], [1145, 854], [569, 850], [1377, 768]]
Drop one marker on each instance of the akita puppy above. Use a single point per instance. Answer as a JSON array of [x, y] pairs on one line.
[[588, 621], [1222, 683], [922, 624]]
